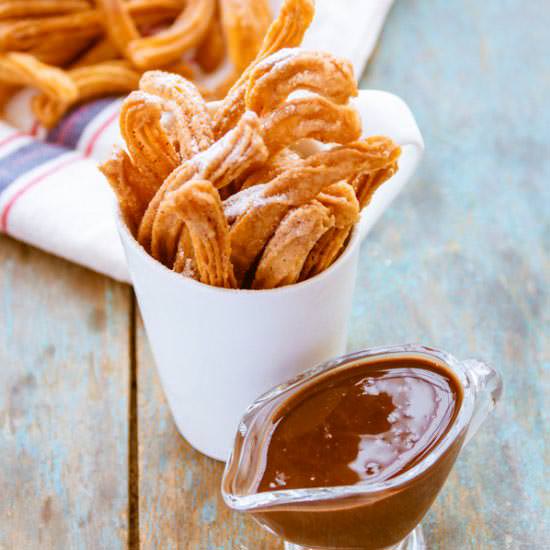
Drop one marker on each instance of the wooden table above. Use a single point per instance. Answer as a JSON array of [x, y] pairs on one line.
[[90, 457]]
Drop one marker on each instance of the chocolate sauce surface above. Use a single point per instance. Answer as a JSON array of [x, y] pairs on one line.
[[366, 424]]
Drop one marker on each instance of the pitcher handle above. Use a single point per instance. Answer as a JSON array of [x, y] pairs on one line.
[[386, 114], [488, 387]]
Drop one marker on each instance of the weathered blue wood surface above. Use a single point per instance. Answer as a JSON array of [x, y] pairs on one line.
[[461, 260], [64, 346]]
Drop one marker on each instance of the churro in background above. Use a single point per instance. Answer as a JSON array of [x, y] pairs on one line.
[[72, 51]]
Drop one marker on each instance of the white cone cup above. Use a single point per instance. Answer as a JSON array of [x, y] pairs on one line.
[[216, 349]]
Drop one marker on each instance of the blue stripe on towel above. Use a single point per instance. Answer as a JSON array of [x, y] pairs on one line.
[[72, 125], [26, 158]]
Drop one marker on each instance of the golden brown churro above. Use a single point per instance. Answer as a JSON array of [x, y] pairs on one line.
[[195, 134], [245, 23], [102, 50], [291, 69], [277, 164], [325, 252], [340, 199], [91, 81], [211, 52], [283, 259], [239, 151], [286, 31], [310, 117], [24, 69], [366, 184], [133, 189], [11, 9], [119, 25], [59, 51], [198, 205], [258, 210], [147, 140], [168, 45]]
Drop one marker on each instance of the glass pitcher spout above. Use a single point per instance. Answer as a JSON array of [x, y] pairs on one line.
[[488, 387]]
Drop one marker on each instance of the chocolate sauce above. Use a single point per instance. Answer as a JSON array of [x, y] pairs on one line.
[[365, 425], [359, 425]]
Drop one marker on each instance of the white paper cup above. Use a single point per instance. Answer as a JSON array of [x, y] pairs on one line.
[[217, 350]]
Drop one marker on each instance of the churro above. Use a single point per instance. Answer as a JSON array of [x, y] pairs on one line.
[[240, 151], [198, 205], [168, 45], [245, 23], [91, 81], [256, 212], [311, 117], [282, 261], [11, 9], [148, 143], [133, 189], [291, 69], [286, 31], [24, 69]]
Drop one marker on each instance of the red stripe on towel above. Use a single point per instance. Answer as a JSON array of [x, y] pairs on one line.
[[97, 134], [10, 138], [34, 128]]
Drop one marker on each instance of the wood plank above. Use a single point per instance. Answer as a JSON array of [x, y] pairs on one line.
[[180, 504], [63, 404], [461, 260]]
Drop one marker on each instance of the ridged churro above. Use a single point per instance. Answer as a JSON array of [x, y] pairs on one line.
[[291, 69], [24, 69], [286, 31], [239, 151], [168, 45], [91, 81], [198, 205], [245, 23], [284, 256], [257, 211]]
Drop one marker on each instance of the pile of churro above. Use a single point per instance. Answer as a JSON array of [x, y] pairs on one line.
[[74, 50], [261, 189]]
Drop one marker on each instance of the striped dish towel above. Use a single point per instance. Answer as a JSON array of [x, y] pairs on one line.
[[53, 196]]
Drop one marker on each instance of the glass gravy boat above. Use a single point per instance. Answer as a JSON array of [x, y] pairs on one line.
[[367, 516]]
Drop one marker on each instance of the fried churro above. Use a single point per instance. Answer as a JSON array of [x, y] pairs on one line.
[[282, 261], [310, 118], [11, 9], [198, 205], [342, 202], [286, 31], [195, 135], [245, 23], [119, 25], [91, 81], [256, 212], [25, 70], [239, 151], [291, 69], [132, 188], [146, 138], [168, 45]]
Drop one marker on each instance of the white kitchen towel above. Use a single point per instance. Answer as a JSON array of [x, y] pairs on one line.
[[52, 195]]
